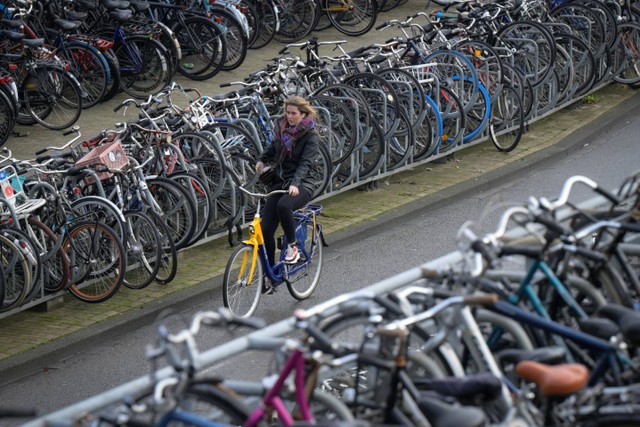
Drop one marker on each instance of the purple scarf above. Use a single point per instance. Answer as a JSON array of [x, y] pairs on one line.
[[289, 135]]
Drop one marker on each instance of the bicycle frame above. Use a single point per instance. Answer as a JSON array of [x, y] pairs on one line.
[[295, 363], [279, 272]]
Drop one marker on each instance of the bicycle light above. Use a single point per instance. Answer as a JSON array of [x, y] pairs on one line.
[[252, 230]]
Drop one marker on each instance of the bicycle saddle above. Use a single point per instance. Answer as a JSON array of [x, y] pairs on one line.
[[139, 6], [72, 15], [33, 43], [484, 385], [14, 37], [443, 414], [557, 380], [626, 318], [115, 4], [121, 15], [66, 25], [548, 355], [599, 327], [11, 23]]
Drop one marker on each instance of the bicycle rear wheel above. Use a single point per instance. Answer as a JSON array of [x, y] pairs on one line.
[[204, 48], [242, 281], [297, 19], [52, 97], [304, 282]]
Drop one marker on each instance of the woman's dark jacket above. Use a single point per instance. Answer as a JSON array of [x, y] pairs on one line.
[[294, 170]]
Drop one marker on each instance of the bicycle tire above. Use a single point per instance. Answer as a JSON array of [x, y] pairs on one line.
[[240, 283], [266, 24], [7, 119], [143, 249], [358, 18], [199, 191], [297, 19], [95, 208], [144, 68], [626, 59], [410, 93], [177, 209], [229, 205], [454, 118], [310, 240], [52, 97], [98, 268], [204, 48], [235, 38], [16, 274], [584, 63], [506, 124], [169, 261], [56, 270], [513, 34], [343, 140], [91, 70], [381, 98], [29, 249], [400, 145], [372, 154], [113, 86], [487, 63]]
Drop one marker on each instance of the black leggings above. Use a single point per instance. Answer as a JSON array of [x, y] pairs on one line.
[[279, 210]]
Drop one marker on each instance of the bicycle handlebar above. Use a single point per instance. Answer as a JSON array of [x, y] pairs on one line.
[[269, 194]]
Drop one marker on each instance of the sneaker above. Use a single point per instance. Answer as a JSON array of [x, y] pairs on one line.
[[267, 287], [291, 256]]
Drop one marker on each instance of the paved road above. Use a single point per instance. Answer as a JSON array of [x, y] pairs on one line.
[[352, 263]]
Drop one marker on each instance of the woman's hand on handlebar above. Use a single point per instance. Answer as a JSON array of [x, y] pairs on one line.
[[293, 190]]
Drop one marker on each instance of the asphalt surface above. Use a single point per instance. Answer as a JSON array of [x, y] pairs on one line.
[[477, 170], [356, 257]]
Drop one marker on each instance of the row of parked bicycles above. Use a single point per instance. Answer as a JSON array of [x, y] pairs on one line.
[[532, 324], [59, 57], [382, 107]]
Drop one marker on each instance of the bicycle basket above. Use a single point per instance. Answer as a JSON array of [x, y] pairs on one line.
[[111, 155]]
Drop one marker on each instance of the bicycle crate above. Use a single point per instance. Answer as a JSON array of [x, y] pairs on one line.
[[422, 72], [13, 193], [111, 155]]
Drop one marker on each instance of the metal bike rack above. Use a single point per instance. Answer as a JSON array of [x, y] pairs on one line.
[[66, 417]]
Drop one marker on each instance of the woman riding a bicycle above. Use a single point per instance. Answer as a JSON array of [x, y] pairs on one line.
[[291, 155]]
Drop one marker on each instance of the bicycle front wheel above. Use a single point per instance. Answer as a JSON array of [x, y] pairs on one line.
[[242, 281], [97, 261], [144, 250], [354, 17], [302, 284]]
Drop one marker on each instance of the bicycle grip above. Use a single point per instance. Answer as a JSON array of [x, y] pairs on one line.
[[551, 224], [485, 250], [322, 340], [225, 84], [69, 132], [481, 299], [283, 50], [118, 107], [607, 195], [41, 151], [381, 26]]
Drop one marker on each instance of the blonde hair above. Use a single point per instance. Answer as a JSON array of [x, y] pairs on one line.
[[303, 105]]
